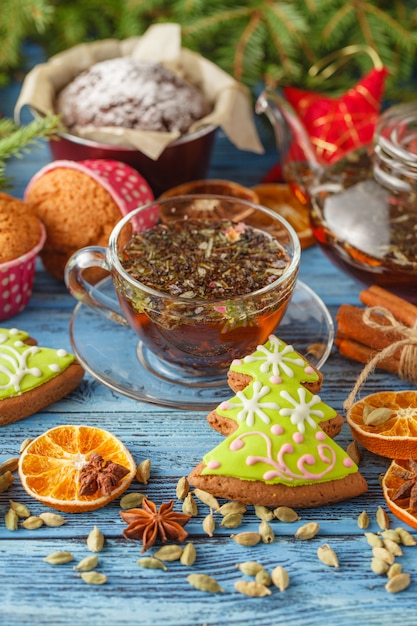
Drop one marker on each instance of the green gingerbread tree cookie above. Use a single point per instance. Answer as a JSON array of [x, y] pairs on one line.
[[278, 440], [24, 367]]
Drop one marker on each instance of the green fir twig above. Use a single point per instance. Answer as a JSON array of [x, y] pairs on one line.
[[255, 40], [15, 141]]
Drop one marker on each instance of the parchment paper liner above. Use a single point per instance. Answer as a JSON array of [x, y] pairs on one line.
[[232, 107]]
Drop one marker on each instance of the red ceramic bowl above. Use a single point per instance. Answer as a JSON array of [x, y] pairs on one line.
[[187, 158]]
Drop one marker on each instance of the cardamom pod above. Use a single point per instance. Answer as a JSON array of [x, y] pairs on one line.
[[32, 523], [280, 577], [382, 518], [353, 451], [266, 532], [52, 519], [189, 555], [377, 416], [21, 510], [206, 498], [393, 547], [391, 534], [59, 558], [252, 588], [10, 465], [204, 582], [11, 520], [25, 444], [367, 408], [87, 564], [379, 566], [169, 553], [394, 570], [6, 480], [406, 537], [182, 488], [232, 520], [143, 471], [384, 554], [264, 513], [250, 568], [209, 524], [189, 506], [263, 578], [363, 520], [232, 507], [95, 540], [93, 578], [131, 500], [286, 514], [398, 583], [308, 531], [150, 562], [248, 538], [327, 555], [373, 540]]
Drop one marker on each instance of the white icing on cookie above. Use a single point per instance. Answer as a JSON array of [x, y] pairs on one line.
[[302, 411], [276, 359]]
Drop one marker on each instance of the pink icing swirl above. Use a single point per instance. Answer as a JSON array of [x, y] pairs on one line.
[[280, 468]]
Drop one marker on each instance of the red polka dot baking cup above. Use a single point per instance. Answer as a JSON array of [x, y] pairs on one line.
[[125, 185], [16, 280]]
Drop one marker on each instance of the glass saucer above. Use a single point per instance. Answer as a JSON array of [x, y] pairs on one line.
[[112, 354]]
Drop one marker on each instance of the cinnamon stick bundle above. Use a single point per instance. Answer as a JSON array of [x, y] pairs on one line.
[[402, 310], [387, 320]]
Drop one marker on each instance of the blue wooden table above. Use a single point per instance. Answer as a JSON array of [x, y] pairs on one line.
[[34, 592]]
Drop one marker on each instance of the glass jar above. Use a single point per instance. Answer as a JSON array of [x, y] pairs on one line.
[[364, 207]]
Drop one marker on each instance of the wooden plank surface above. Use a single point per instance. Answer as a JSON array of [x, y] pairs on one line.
[[34, 592]]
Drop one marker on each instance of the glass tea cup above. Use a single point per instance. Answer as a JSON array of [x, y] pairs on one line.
[[201, 279]]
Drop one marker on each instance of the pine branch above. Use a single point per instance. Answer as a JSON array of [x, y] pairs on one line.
[[15, 141], [254, 40]]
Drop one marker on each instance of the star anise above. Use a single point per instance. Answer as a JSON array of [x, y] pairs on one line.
[[149, 524], [408, 489], [99, 474]]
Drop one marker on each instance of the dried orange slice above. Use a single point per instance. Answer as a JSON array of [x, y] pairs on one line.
[[50, 467], [394, 479], [395, 438], [279, 198]]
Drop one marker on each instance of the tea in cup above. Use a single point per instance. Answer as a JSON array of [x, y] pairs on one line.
[[201, 279]]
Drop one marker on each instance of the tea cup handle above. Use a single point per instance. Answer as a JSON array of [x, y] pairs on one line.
[[84, 291]]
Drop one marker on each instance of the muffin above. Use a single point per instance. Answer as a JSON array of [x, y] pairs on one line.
[[130, 93], [80, 203], [22, 236]]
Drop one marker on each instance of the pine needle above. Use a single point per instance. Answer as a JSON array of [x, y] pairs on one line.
[[15, 141]]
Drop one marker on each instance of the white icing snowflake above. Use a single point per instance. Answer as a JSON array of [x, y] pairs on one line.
[[302, 411], [252, 407], [276, 358], [14, 366]]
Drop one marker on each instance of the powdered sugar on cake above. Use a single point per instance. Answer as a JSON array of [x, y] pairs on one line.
[[130, 93]]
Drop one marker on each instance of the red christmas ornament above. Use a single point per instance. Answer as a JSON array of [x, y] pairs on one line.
[[338, 125]]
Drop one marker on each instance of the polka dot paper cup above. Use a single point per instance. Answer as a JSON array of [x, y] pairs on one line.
[[16, 280], [125, 185], [80, 202]]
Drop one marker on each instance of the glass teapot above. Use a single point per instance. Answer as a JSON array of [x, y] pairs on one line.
[[363, 207]]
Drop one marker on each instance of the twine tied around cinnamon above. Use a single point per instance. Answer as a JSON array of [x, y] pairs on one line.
[[408, 344]]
